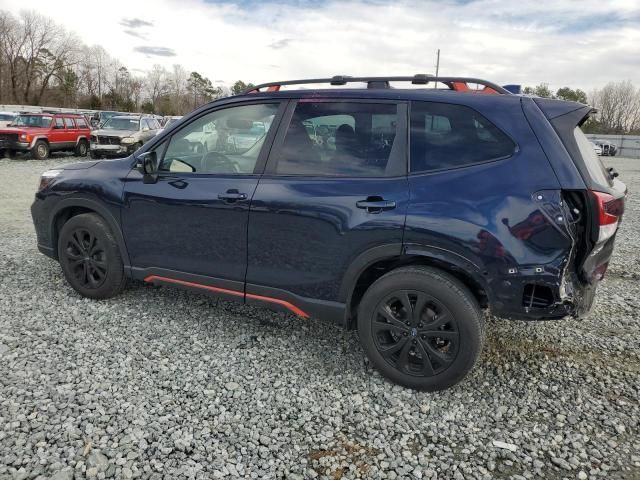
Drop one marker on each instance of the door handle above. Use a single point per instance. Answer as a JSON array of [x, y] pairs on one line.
[[376, 204], [232, 196]]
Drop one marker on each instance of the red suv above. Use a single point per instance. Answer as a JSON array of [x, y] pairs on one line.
[[41, 133]]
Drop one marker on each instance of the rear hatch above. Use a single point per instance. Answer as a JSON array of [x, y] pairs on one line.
[[596, 212]]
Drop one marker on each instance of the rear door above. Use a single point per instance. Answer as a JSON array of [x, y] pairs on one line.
[[334, 188], [70, 133]]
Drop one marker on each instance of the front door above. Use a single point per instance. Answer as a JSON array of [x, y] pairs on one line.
[[335, 188], [192, 224]]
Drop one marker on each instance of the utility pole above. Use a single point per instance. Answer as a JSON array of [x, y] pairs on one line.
[[437, 63]]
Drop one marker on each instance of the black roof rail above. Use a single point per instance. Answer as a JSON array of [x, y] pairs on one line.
[[383, 82]]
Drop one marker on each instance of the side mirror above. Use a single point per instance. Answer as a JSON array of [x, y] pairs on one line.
[[148, 166]]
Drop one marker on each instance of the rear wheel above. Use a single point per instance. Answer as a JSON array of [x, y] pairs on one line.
[[421, 328], [90, 257], [40, 150]]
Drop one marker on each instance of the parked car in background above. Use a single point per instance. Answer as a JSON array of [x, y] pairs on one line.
[[422, 212], [99, 118], [6, 118], [121, 135], [39, 134], [168, 121], [596, 148], [608, 149]]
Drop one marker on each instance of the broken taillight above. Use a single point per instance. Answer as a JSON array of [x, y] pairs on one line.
[[609, 212]]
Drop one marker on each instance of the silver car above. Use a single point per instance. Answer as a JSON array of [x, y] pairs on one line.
[[122, 135]]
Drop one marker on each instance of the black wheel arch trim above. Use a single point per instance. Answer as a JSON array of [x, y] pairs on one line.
[[90, 204], [406, 251]]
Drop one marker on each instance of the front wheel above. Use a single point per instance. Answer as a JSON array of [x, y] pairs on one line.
[[421, 328], [40, 150], [90, 257]]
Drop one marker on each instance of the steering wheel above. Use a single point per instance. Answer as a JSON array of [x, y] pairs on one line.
[[216, 162]]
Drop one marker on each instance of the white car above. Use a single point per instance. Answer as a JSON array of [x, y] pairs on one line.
[[6, 118], [597, 148]]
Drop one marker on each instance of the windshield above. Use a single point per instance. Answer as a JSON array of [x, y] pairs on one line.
[[116, 123], [171, 121], [40, 121], [6, 116]]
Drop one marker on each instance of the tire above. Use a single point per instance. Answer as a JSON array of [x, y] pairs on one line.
[[40, 150], [90, 257], [441, 307], [94, 155], [82, 148]]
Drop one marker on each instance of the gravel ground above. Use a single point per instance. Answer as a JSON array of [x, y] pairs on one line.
[[160, 383]]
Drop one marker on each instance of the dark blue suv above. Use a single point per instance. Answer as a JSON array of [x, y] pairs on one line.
[[400, 212]]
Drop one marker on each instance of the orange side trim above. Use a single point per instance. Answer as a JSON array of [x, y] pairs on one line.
[[235, 293], [284, 303], [289, 306]]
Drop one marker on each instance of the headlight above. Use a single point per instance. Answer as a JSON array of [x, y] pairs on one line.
[[47, 178], [127, 140]]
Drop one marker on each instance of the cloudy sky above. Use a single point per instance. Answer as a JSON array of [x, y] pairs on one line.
[[583, 43]]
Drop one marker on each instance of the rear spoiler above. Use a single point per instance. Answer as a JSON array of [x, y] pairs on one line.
[[574, 113]]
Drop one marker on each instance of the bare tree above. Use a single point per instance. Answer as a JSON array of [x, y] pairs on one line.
[[157, 84]]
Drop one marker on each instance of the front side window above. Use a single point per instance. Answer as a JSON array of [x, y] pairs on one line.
[[340, 139], [38, 121], [226, 141], [59, 122], [447, 136], [69, 122]]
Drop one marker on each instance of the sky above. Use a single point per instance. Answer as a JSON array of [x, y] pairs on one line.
[[583, 44]]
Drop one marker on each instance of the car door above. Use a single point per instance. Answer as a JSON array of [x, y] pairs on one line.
[[191, 225], [70, 133], [335, 188], [57, 134]]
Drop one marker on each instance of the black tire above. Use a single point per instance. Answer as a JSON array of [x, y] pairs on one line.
[[82, 148], [40, 150], [94, 155], [90, 257], [442, 339]]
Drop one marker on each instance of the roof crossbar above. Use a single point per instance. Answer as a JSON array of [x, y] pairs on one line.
[[454, 83]]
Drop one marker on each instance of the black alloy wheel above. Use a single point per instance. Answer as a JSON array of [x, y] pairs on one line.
[[415, 333], [420, 327], [90, 256], [86, 258]]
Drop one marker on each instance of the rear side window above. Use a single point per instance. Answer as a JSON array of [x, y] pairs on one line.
[[590, 158], [81, 123], [447, 136], [344, 139]]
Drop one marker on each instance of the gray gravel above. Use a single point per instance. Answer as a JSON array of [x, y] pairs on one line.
[[160, 383]]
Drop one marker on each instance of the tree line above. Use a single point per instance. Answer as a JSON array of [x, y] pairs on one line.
[[42, 63]]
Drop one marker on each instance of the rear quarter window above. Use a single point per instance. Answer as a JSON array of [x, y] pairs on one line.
[[590, 158], [445, 136]]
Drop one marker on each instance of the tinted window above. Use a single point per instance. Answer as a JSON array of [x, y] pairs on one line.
[[449, 136], [340, 139], [81, 123], [69, 122], [224, 141], [590, 158]]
